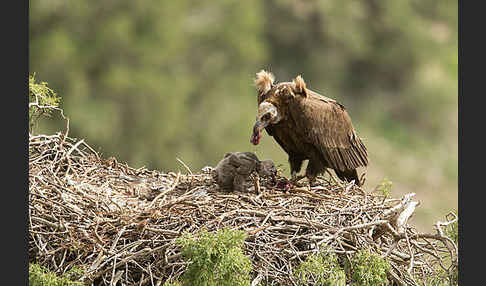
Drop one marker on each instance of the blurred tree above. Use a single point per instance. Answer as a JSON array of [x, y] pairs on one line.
[[359, 49], [149, 81]]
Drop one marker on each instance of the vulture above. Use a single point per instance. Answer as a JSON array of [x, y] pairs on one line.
[[308, 126]]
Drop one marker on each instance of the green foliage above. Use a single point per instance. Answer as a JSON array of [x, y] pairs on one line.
[[452, 230], [385, 187], [321, 269], [40, 276], [368, 269], [153, 70], [174, 283], [447, 277], [173, 77], [215, 258], [42, 101], [443, 278]]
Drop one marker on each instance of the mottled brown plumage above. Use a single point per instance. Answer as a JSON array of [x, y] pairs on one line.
[[310, 126], [234, 170]]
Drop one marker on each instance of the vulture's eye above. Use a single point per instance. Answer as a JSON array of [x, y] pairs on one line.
[[266, 116]]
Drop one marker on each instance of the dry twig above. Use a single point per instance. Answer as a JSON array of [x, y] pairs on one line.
[[85, 212]]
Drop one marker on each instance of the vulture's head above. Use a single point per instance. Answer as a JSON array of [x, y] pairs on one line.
[[266, 168], [272, 101]]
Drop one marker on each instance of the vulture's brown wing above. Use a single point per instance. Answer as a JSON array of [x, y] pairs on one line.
[[324, 123]]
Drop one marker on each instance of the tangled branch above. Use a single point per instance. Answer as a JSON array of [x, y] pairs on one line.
[[119, 224]]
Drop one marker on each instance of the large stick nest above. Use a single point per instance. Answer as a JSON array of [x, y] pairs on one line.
[[119, 224]]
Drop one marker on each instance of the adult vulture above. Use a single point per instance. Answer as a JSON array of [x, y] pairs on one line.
[[310, 126]]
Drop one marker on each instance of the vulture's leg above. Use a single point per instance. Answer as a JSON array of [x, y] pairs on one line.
[[311, 172], [295, 162], [349, 175]]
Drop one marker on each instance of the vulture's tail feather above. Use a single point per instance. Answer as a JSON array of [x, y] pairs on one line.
[[349, 175]]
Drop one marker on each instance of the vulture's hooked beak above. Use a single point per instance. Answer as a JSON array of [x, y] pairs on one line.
[[257, 129], [267, 113]]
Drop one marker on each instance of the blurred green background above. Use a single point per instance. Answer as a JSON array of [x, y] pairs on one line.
[[152, 81]]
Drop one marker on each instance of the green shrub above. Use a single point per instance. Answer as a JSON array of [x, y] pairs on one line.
[[452, 230], [369, 269], [321, 269], [174, 283], [385, 187], [42, 101], [443, 277], [41, 276], [215, 258]]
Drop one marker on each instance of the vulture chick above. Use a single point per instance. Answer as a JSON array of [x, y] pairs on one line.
[[308, 126], [232, 172]]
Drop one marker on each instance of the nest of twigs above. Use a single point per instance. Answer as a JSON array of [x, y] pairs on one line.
[[119, 224]]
